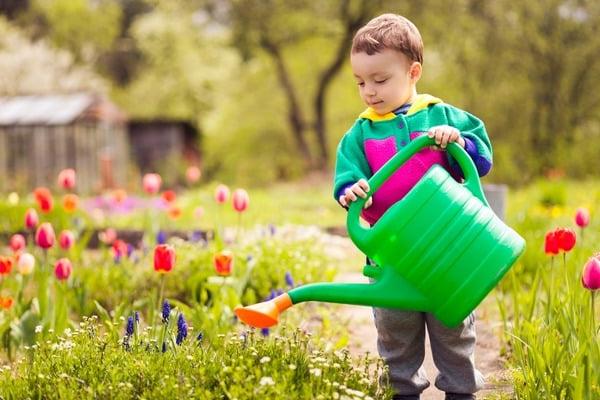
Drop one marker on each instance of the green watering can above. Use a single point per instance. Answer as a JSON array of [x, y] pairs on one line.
[[440, 249]]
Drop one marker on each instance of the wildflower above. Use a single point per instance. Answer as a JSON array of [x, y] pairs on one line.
[[63, 269], [221, 194], [31, 219], [266, 381], [130, 326], [565, 239], [265, 359], [66, 239], [182, 329], [70, 202], [39, 328], [174, 212], [164, 258], [44, 236], [5, 265], [166, 311], [199, 337], [241, 200], [196, 236], [193, 174], [137, 317], [17, 242], [151, 183], [25, 264], [223, 262], [272, 229], [66, 179], [169, 196], [288, 279], [43, 197], [108, 236], [265, 332], [590, 277]]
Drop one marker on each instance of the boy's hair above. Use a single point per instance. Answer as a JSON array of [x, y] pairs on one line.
[[389, 31]]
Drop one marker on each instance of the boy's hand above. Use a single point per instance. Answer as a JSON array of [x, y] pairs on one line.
[[360, 189], [444, 134]]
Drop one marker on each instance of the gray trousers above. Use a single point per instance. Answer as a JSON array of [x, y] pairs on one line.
[[401, 343]]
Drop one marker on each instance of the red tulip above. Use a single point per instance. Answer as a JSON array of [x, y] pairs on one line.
[[31, 219], [5, 265], [70, 202], [566, 239], [169, 196], [192, 174], [63, 269], [66, 239], [17, 242], [43, 197], [221, 194], [223, 262], [164, 258], [582, 217], [591, 274], [119, 248], [66, 179], [151, 183], [551, 244], [241, 200], [44, 236]]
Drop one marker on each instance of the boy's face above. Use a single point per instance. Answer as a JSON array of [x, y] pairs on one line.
[[386, 80]]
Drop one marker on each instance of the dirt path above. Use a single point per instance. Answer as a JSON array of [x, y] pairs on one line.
[[363, 336]]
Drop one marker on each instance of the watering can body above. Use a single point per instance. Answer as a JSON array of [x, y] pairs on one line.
[[440, 249]]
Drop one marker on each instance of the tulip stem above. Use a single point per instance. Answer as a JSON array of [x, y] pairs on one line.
[[593, 313], [566, 272], [162, 291]]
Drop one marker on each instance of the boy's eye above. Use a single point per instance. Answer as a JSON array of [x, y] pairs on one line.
[[361, 84], [381, 81]]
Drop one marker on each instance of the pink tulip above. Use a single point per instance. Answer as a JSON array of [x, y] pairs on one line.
[[31, 219], [44, 236], [17, 242], [192, 174], [582, 217], [25, 263], [199, 212], [66, 239], [63, 269], [241, 200], [221, 194], [151, 183], [591, 274], [66, 179]]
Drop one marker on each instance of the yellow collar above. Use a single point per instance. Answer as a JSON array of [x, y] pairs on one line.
[[421, 102]]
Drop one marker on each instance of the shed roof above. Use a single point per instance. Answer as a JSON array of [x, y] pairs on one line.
[[54, 109]]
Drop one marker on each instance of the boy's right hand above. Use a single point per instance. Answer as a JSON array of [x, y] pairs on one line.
[[359, 189]]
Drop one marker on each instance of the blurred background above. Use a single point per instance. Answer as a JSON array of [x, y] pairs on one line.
[[259, 91]]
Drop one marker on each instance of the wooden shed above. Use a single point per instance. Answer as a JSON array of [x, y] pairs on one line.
[[41, 135], [154, 141]]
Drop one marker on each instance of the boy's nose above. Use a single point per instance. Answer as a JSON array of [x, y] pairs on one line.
[[370, 90]]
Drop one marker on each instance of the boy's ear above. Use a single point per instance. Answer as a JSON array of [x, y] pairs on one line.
[[414, 71]]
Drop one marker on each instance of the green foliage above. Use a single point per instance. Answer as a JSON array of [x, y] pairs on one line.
[[86, 363]]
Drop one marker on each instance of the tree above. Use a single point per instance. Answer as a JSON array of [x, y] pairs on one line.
[[277, 26]]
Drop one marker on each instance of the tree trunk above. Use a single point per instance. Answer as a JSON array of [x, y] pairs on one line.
[[295, 117]]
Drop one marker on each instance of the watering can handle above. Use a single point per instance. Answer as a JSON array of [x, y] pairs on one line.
[[472, 182]]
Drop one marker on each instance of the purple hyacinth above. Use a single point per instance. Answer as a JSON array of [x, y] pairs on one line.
[[272, 229], [199, 337], [161, 237], [288, 279], [264, 332], [166, 311], [137, 317], [130, 328], [182, 329]]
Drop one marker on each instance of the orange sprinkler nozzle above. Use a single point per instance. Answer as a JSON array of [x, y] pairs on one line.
[[265, 314]]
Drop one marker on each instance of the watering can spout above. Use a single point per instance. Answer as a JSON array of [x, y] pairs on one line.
[[388, 293]]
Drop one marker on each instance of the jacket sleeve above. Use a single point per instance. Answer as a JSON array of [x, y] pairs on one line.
[[477, 142], [351, 163]]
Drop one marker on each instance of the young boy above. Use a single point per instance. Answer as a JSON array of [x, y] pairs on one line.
[[386, 59]]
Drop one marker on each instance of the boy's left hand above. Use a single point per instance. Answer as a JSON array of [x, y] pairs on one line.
[[444, 134]]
